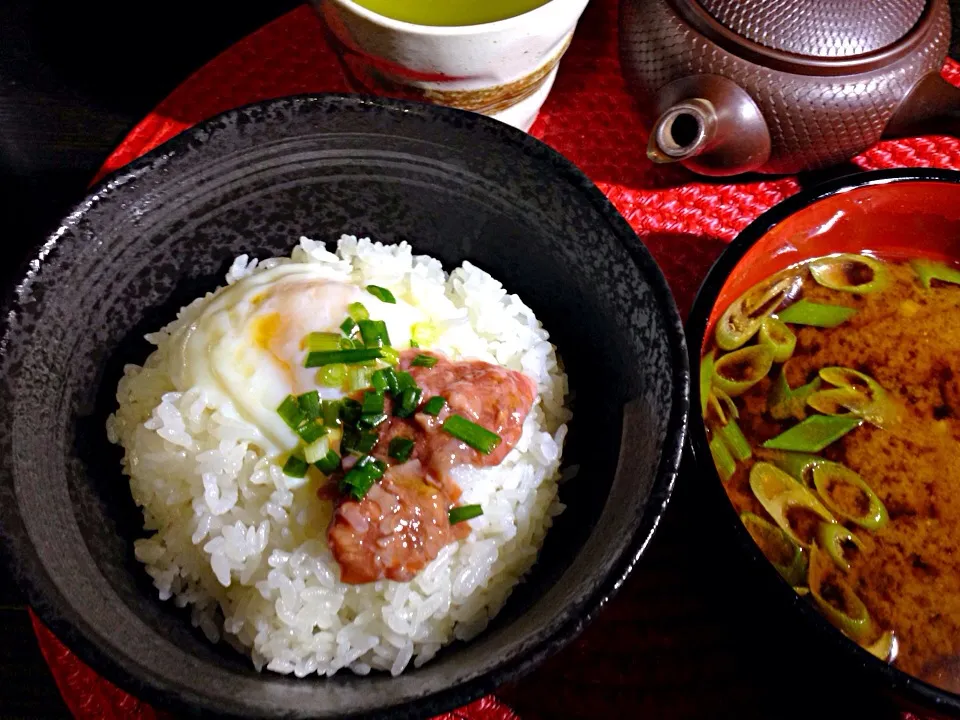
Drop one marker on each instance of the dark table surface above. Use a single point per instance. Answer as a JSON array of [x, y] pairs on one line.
[[684, 638]]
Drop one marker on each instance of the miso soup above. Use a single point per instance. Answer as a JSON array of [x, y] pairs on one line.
[[831, 397]]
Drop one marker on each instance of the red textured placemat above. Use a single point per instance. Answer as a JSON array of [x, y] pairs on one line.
[[589, 117]]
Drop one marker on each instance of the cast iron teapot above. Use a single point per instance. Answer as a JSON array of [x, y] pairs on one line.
[[780, 86]]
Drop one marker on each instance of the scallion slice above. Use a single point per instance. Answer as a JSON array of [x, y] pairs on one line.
[[350, 411], [331, 412], [414, 344], [311, 431], [390, 355], [348, 326], [405, 380], [358, 442], [321, 341], [372, 402], [434, 405], [358, 311], [374, 333], [464, 512], [393, 385], [310, 404], [359, 378], [332, 376], [330, 357], [408, 401], [421, 360], [328, 463], [317, 450], [476, 436], [362, 476], [382, 294], [295, 467], [368, 421], [291, 413], [379, 381], [400, 448]]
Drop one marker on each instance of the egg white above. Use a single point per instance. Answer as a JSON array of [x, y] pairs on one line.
[[246, 347]]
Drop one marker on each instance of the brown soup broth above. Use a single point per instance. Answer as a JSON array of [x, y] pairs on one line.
[[906, 337]]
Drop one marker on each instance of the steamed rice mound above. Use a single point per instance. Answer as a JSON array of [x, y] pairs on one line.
[[248, 554]]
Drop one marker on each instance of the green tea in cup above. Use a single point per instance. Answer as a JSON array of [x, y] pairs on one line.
[[450, 12]]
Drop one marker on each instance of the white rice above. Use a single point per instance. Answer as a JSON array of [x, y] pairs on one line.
[[249, 555]]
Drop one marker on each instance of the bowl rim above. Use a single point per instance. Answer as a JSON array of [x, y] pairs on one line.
[[898, 681], [47, 601]]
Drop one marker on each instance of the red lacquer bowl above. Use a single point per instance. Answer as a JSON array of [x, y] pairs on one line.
[[906, 212]]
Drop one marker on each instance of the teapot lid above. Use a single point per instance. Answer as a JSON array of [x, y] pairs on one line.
[[818, 28]]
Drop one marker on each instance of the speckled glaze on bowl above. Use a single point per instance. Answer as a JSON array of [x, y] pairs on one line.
[[163, 231], [850, 214]]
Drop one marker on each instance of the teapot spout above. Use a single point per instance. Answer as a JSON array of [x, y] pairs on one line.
[[932, 107], [683, 131], [710, 125]]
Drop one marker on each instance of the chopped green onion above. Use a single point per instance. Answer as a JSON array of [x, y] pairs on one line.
[[295, 467], [427, 361], [349, 344], [414, 344], [350, 411], [331, 412], [464, 512], [405, 380], [332, 376], [423, 333], [804, 312], [329, 357], [706, 380], [317, 450], [348, 326], [407, 402], [374, 333], [321, 341], [733, 436], [357, 311], [291, 413], [358, 442], [813, 434], [328, 463], [359, 378], [311, 431], [784, 401], [368, 421], [930, 270], [390, 355], [385, 380], [310, 404], [476, 436], [722, 458], [362, 476], [434, 405], [372, 403], [382, 294], [400, 448]]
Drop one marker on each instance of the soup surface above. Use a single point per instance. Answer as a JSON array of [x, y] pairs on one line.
[[450, 12], [831, 394]]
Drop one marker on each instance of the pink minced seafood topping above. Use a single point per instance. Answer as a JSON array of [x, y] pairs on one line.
[[402, 523]]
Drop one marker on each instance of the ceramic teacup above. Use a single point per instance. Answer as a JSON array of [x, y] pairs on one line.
[[504, 69]]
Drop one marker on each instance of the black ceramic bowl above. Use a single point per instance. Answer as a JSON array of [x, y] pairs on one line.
[[162, 231], [850, 214]]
